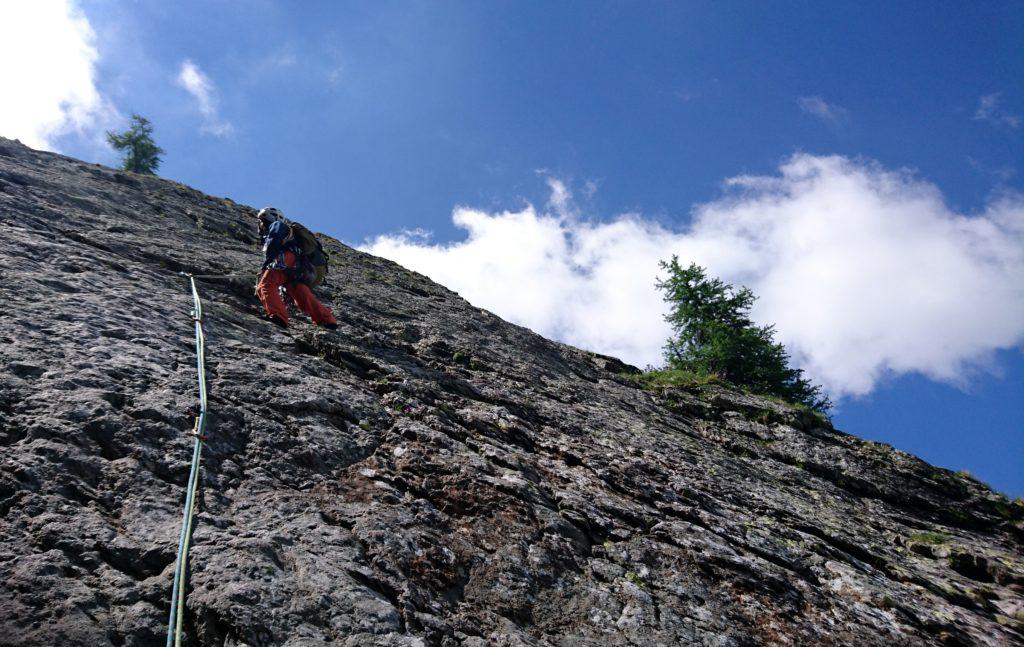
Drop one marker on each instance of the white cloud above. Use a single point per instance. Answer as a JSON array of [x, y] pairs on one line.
[[866, 272], [561, 201], [989, 110], [822, 109], [196, 83], [47, 64]]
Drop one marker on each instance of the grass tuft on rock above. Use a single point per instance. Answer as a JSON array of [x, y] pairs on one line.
[[676, 377], [928, 537]]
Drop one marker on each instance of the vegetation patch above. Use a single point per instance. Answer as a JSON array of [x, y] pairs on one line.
[[635, 579], [141, 154], [930, 538], [712, 333], [818, 416], [676, 377], [1011, 509], [696, 380]]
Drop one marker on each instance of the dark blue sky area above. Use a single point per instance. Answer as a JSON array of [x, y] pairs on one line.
[[367, 117]]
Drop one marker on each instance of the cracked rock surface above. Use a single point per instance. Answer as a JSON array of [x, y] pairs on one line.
[[428, 474]]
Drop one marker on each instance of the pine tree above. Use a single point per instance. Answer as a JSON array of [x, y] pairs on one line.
[[714, 335], [141, 154]]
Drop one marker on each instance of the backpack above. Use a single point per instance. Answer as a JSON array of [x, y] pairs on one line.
[[311, 268]]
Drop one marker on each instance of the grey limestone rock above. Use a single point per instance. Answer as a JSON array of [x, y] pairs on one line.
[[428, 474]]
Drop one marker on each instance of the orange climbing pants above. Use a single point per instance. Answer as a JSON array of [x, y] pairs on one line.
[[270, 295]]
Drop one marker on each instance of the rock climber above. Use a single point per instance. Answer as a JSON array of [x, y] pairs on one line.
[[292, 259]]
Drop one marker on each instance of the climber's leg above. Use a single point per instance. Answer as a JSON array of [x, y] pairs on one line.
[[270, 295], [308, 303]]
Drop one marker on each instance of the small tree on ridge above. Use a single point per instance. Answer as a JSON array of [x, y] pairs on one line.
[[141, 154], [714, 335]]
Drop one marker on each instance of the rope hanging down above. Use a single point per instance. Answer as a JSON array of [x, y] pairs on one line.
[[181, 564]]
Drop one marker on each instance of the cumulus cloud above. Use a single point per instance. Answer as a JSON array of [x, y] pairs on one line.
[[989, 110], [818, 107], [196, 83], [48, 66], [866, 271]]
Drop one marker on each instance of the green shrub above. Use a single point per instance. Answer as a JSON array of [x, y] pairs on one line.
[[714, 335], [141, 154]]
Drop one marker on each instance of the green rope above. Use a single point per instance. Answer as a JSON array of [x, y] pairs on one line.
[[188, 516]]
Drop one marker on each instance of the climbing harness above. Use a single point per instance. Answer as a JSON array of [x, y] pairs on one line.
[[188, 517]]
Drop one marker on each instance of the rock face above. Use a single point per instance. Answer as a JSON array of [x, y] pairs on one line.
[[428, 474]]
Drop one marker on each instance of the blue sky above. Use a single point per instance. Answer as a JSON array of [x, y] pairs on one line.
[[577, 142]]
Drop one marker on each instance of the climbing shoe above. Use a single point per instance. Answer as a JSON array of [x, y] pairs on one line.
[[330, 326], [278, 321]]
